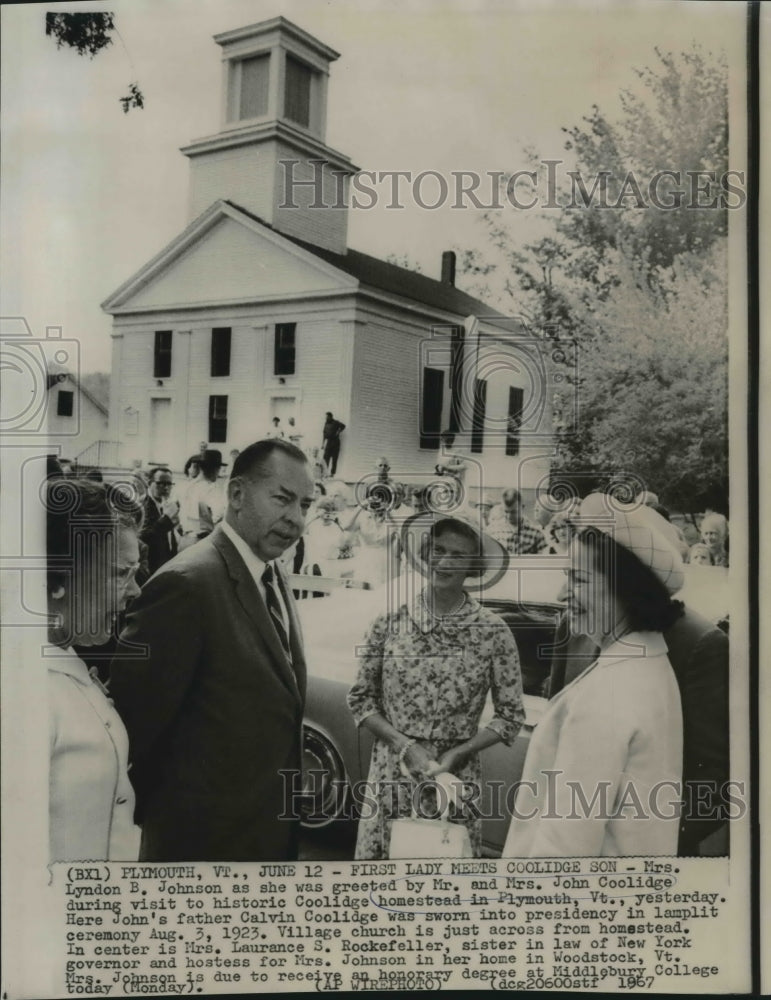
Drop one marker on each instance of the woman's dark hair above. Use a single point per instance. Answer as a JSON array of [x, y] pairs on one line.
[[95, 510], [644, 598], [477, 563], [321, 487], [193, 460]]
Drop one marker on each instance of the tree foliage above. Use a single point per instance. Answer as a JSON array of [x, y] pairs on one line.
[[653, 386], [86, 33], [134, 99], [678, 122], [404, 260], [638, 289], [89, 34]]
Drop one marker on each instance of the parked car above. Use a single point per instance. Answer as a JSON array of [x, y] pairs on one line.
[[336, 753]]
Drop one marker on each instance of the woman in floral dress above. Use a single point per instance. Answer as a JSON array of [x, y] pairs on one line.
[[422, 685]]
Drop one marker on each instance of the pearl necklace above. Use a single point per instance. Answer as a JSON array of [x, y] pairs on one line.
[[447, 614]]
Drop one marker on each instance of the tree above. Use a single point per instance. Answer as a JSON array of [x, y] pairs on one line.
[[90, 33], [638, 289], [679, 123], [653, 386], [82, 32], [611, 196], [404, 260]]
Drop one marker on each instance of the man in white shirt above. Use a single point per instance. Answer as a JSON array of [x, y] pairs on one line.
[[276, 430], [205, 499]]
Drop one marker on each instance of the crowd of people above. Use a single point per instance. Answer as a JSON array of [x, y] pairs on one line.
[[207, 680]]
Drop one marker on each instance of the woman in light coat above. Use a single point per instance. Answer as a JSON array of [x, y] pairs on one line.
[[93, 556], [603, 771]]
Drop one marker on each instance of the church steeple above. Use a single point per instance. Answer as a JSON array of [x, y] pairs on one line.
[[270, 155]]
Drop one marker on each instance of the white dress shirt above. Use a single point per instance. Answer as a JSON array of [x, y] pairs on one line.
[[256, 568]]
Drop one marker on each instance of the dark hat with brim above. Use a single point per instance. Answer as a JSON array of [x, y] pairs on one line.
[[211, 459]]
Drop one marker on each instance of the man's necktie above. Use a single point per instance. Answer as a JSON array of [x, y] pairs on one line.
[[274, 607]]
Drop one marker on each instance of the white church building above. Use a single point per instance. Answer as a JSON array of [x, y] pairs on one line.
[[259, 308]]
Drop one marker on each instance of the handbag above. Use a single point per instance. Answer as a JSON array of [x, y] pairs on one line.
[[429, 838]]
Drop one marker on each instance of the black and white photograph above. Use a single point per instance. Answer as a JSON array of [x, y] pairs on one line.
[[377, 523]]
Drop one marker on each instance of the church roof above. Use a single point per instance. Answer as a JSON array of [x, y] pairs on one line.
[[396, 280], [370, 272], [58, 374]]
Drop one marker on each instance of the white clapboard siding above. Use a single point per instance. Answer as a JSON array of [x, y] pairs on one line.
[[385, 395], [244, 176]]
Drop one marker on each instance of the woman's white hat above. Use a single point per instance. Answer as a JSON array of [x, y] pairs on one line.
[[417, 527], [641, 530]]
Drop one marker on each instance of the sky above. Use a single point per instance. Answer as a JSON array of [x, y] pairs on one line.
[[90, 194]]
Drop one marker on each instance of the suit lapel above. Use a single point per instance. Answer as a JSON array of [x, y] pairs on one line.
[[151, 512], [168, 539], [254, 607]]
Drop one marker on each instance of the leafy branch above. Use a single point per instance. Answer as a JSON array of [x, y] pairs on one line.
[[89, 34]]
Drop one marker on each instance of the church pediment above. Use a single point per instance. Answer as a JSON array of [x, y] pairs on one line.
[[226, 257]]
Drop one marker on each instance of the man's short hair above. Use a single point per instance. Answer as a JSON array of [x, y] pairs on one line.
[[159, 468], [251, 460], [510, 497]]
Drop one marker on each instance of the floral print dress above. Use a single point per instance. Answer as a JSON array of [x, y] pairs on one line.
[[430, 678]]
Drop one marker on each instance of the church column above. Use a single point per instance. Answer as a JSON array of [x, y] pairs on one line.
[[350, 461], [181, 403], [115, 431]]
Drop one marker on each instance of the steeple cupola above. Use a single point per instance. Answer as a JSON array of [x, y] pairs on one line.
[[270, 155]]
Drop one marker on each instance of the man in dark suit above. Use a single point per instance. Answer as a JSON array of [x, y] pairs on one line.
[[160, 521], [214, 705], [698, 652]]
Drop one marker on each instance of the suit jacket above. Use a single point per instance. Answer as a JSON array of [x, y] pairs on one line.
[[213, 707], [698, 652], [158, 535]]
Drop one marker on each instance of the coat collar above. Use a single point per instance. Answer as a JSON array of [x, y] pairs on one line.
[[450, 626], [66, 661], [635, 645], [254, 607]]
